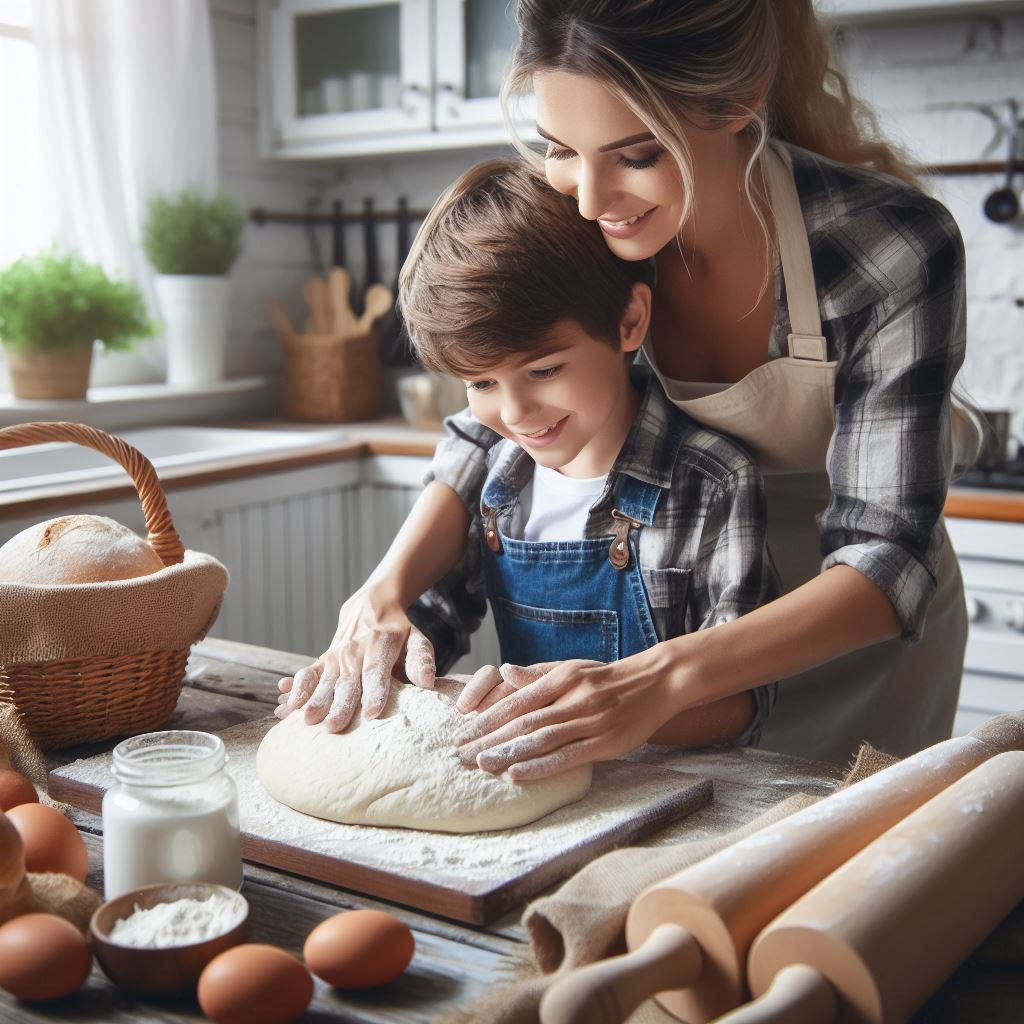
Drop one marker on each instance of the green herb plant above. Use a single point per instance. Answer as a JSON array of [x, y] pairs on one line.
[[53, 301], [186, 233]]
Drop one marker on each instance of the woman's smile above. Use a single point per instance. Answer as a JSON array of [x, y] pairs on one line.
[[625, 228]]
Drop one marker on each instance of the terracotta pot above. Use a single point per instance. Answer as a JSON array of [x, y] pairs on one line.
[[50, 373]]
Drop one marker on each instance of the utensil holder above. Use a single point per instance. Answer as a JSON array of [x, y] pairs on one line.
[[332, 380]]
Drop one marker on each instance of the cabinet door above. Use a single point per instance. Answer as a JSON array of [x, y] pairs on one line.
[[348, 68], [475, 40]]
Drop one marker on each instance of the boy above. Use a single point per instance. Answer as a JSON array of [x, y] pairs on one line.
[[608, 520]]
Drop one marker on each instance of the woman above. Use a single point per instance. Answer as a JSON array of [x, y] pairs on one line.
[[809, 302]]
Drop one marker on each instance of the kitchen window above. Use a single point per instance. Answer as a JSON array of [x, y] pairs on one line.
[[20, 194], [22, 221], [81, 86]]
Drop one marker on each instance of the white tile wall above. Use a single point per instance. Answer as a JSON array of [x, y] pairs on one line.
[[907, 70], [274, 259], [904, 69]]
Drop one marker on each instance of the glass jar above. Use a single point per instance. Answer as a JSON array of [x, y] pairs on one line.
[[172, 814]]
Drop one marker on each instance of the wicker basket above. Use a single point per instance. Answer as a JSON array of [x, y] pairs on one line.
[[93, 698], [332, 380]]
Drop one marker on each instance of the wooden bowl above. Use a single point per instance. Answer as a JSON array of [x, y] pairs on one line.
[[168, 969]]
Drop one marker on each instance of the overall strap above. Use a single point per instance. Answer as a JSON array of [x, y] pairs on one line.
[[806, 340], [637, 501]]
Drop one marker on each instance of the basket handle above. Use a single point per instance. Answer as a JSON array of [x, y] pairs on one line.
[[162, 535]]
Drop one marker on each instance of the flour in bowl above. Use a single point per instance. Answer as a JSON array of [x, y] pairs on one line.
[[179, 922]]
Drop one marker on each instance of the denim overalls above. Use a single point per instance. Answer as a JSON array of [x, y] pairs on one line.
[[556, 600]]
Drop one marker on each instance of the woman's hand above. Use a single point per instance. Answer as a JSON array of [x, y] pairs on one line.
[[571, 713], [489, 684], [374, 634]]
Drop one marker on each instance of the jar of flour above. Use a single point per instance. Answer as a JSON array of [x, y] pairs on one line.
[[172, 815]]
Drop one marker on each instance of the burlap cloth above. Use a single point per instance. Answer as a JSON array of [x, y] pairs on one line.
[[52, 893], [585, 919], [165, 611]]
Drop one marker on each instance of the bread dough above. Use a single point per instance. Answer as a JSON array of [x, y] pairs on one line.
[[401, 769]]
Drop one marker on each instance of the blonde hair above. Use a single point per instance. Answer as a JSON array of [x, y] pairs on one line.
[[709, 62], [500, 259]]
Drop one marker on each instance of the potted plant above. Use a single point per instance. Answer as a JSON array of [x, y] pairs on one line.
[[192, 241], [53, 308]]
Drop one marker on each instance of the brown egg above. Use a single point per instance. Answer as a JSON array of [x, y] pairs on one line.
[[12, 864], [254, 984], [42, 956], [52, 843], [15, 789], [359, 949]]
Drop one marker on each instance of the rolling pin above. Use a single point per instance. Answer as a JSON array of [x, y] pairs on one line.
[[689, 935], [877, 937]]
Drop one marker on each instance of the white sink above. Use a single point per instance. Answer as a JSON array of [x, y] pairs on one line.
[[47, 465]]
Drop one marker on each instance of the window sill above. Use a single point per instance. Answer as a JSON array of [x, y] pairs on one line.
[[116, 408]]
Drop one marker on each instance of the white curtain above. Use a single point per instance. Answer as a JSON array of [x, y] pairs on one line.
[[128, 106]]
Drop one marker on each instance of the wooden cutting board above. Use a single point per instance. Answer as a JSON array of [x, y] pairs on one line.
[[471, 878]]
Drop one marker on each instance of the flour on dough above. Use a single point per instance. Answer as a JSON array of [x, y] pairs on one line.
[[401, 769]]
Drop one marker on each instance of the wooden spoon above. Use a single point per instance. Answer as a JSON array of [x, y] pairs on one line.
[[279, 318], [377, 303], [317, 298], [343, 321]]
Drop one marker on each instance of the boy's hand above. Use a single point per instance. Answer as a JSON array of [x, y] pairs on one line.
[[356, 670]]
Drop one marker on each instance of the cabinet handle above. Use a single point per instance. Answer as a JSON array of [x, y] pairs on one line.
[[453, 97], [411, 89], [1013, 615]]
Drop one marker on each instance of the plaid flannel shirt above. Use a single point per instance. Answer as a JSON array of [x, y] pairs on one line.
[[888, 266], [703, 559]]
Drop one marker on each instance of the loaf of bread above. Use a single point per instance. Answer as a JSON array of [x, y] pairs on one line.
[[76, 549]]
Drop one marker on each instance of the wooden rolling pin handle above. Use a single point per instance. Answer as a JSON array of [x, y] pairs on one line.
[[608, 991], [798, 993]]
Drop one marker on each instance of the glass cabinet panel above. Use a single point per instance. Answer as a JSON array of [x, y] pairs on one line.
[[490, 38], [474, 44], [343, 69], [347, 60]]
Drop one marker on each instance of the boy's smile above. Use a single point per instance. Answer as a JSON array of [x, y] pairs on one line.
[[568, 403]]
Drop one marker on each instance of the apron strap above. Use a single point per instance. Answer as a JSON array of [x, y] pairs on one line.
[[806, 341]]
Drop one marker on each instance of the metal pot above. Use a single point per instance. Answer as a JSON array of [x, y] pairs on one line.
[[995, 449]]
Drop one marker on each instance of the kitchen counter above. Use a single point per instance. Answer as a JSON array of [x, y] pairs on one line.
[[390, 436], [228, 683], [981, 503], [358, 440]]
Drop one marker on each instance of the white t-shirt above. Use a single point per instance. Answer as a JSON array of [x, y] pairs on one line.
[[556, 506]]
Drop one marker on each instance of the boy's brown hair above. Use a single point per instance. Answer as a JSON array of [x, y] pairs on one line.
[[500, 259]]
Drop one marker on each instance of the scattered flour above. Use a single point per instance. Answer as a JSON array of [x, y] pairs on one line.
[[179, 922]]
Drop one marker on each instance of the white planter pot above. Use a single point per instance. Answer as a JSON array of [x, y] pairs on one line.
[[194, 311]]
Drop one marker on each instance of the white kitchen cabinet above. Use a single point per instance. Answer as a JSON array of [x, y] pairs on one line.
[[473, 44], [346, 69], [359, 77], [991, 558]]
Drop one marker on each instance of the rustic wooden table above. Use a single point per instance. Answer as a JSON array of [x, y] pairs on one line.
[[228, 683]]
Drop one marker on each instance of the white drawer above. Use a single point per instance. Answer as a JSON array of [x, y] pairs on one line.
[[983, 695]]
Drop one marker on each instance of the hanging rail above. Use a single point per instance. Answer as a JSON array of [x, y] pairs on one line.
[[258, 216], [983, 167]]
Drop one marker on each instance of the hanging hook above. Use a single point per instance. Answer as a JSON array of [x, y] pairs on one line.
[[310, 222]]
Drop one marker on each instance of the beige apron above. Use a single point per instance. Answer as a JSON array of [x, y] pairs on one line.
[[897, 696]]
